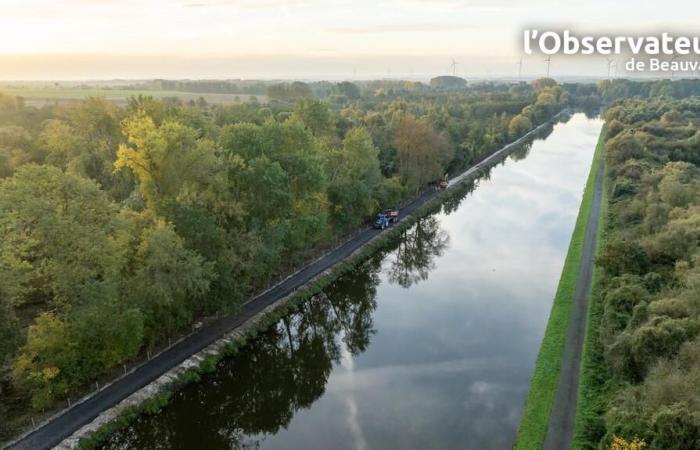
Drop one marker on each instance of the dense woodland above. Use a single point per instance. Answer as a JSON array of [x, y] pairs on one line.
[[121, 227], [649, 337]]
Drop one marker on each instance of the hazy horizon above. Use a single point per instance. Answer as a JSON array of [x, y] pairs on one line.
[[304, 39]]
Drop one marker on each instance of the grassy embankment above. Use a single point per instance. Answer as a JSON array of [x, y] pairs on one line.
[[543, 386]]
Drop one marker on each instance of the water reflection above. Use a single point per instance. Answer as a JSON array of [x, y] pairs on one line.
[[450, 358], [521, 152], [283, 370], [416, 252], [286, 369]]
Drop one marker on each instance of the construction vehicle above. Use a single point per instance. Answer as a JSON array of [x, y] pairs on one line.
[[386, 218], [444, 182]]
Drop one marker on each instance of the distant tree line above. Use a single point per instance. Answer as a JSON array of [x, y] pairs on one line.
[[250, 87]]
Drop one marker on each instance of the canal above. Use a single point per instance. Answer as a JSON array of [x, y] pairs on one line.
[[429, 344]]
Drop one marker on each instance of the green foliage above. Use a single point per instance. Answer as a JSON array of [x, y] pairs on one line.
[[664, 408], [288, 91], [315, 115], [519, 125], [349, 90], [354, 179], [82, 139], [649, 315], [278, 176], [422, 153], [166, 159], [169, 280], [55, 247], [622, 256], [47, 365]]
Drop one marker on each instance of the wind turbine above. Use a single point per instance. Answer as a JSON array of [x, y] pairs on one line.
[[549, 63], [520, 69], [454, 67]]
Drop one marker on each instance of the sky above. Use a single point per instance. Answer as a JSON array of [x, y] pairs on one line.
[[306, 39]]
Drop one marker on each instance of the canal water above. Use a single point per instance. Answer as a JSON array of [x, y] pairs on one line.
[[430, 344]]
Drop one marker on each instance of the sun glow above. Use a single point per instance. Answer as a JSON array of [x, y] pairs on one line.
[[370, 38]]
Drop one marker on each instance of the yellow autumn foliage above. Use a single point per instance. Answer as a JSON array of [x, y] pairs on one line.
[[619, 443]]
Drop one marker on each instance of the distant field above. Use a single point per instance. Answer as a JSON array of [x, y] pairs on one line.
[[37, 96]]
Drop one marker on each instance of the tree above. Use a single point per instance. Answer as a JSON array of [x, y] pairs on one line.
[[60, 142], [47, 365], [169, 280], [620, 256], [618, 306], [447, 82], [15, 149], [315, 115], [622, 147], [348, 89], [61, 354], [354, 177], [421, 153], [298, 189], [676, 187], [542, 84], [83, 138], [55, 245], [519, 125], [165, 159], [285, 91]]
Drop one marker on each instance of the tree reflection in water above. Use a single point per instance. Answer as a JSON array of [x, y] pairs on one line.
[[282, 370], [521, 152], [417, 250]]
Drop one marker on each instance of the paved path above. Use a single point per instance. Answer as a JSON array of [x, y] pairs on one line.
[[64, 425], [561, 422]]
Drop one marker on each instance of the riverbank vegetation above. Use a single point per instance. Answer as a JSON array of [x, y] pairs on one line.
[[646, 349], [122, 226]]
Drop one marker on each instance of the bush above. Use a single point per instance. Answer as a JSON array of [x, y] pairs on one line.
[[620, 256]]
